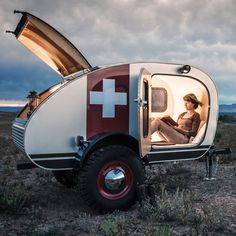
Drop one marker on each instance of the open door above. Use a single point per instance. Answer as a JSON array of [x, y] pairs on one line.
[[144, 109]]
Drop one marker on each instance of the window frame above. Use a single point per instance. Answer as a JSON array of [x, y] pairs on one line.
[[165, 99]]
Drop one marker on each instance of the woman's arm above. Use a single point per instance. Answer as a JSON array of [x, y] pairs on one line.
[[194, 129], [195, 125]]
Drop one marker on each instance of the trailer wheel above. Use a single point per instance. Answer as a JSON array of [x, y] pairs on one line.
[[68, 178], [109, 178]]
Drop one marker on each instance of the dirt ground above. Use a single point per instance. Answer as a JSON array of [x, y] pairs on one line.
[[32, 202]]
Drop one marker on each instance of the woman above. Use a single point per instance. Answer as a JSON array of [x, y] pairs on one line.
[[188, 122]]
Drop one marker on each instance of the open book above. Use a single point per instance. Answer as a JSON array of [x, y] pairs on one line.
[[168, 120]]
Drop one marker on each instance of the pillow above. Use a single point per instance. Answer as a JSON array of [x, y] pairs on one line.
[[199, 135], [203, 122]]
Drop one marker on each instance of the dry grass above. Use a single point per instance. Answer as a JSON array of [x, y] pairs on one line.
[[33, 203], [225, 137]]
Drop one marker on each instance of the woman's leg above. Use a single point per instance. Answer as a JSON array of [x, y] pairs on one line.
[[169, 133]]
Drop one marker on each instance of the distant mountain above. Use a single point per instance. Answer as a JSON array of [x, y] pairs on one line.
[[227, 108], [10, 109]]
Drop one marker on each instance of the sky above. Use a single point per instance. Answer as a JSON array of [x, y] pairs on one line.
[[199, 33]]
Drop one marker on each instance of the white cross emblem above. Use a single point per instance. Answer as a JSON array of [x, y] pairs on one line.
[[108, 98]]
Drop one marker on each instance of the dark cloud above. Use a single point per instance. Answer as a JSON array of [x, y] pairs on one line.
[[15, 83], [200, 33]]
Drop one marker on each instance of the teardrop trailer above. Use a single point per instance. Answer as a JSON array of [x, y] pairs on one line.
[[95, 125]]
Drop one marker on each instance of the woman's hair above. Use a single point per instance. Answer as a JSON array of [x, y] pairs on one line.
[[191, 97]]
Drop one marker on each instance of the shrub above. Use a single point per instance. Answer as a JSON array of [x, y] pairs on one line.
[[169, 207], [113, 224], [158, 231], [12, 199], [118, 223], [7, 146], [109, 227], [45, 231]]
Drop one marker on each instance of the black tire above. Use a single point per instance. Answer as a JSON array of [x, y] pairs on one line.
[[68, 178], [100, 189]]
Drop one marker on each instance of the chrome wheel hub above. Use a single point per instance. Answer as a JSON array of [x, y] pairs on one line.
[[114, 179]]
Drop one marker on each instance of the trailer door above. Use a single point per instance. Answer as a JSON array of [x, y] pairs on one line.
[[144, 109]]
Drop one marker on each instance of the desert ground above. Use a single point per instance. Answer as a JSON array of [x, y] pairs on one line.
[[33, 203]]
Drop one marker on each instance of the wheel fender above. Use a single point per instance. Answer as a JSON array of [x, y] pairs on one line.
[[108, 139]]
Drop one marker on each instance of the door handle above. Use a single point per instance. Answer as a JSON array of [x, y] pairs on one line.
[[140, 101]]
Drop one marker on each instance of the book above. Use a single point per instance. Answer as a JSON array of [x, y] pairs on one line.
[[169, 121]]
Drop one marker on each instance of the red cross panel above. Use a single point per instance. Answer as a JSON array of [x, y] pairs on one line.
[[108, 101]]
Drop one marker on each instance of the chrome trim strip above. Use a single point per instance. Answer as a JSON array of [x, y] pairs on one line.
[[181, 150], [54, 158], [18, 127], [19, 145], [18, 132], [189, 159]]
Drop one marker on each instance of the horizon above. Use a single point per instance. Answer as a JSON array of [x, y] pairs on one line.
[[20, 103], [12, 103]]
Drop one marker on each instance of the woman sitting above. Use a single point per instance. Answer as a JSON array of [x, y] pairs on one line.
[[187, 122]]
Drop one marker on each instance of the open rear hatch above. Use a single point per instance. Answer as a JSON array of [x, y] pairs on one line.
[[49, 45]]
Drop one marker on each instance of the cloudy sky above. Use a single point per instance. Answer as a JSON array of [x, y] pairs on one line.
[[200, 33]]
